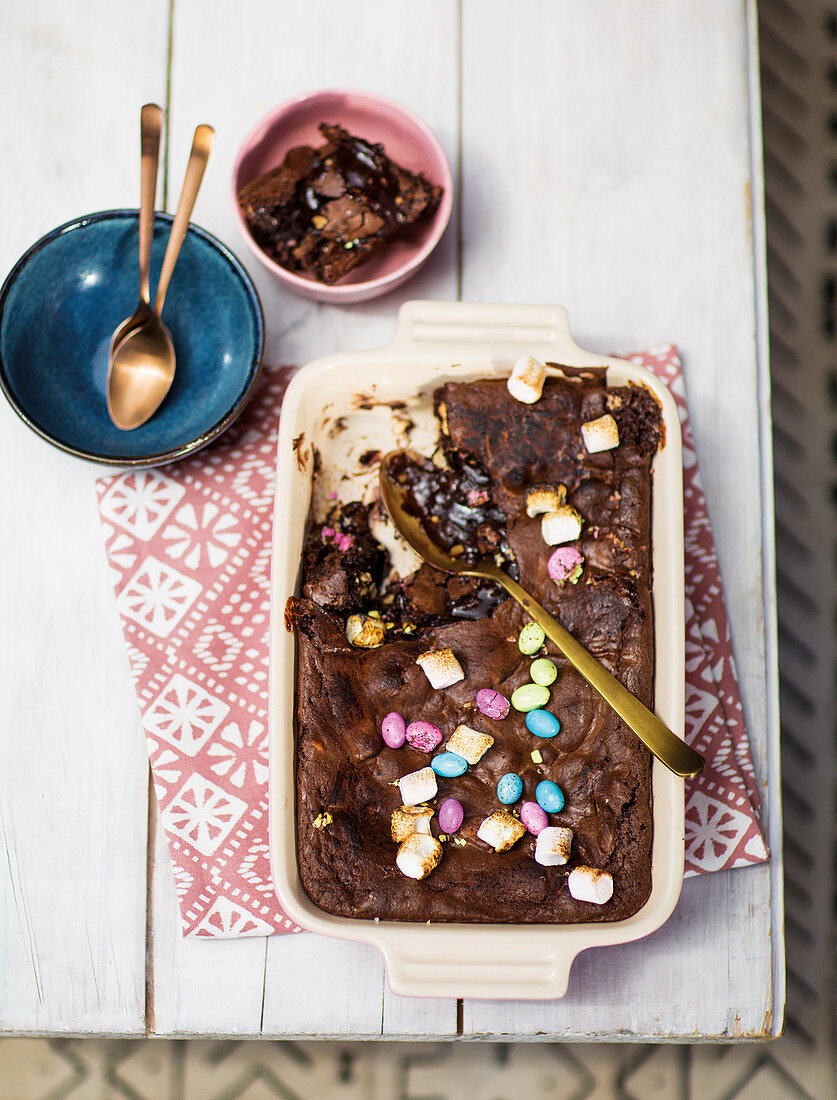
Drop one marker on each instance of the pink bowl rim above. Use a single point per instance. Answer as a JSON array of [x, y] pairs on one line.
[[307, 286]]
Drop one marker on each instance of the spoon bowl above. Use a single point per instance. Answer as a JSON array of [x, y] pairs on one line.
[[141, 373], [654, 734], [396, 499]]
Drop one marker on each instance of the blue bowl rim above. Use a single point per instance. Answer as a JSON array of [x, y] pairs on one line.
[[161, 457]]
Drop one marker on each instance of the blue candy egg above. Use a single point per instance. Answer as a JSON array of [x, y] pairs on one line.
[[542, 723], [510, 788], [449, 764], [549, 796]]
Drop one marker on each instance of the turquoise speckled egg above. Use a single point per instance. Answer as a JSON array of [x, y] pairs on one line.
[[449, 764], [549, 796], [529, 697], [510, 788], [542, 723]]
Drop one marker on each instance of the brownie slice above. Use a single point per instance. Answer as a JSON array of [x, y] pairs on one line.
[[327, 210]]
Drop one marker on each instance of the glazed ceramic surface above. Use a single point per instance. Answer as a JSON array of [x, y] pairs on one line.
[[58, 310], [437, 342], [406, 140]]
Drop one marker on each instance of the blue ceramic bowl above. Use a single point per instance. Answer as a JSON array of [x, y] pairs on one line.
[[60, 306]]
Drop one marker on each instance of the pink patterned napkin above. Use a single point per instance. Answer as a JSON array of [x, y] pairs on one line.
[[189, 547]]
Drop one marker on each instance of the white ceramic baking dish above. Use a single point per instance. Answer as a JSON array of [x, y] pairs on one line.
[[434, 342]]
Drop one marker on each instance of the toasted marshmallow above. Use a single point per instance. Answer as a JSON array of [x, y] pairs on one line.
[[418, 855], [552, 848], [418, 786], [601, 434], [526, 381], [365, 632], [590, 884], [409, 820], [471, 744], [441, 667], [545, 498], [501, 830], [562, 525]]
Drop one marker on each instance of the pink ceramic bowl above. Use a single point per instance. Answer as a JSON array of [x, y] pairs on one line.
[[406, 140]]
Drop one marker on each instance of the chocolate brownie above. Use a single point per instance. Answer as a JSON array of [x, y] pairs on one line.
[[324, 211], [493, 450]]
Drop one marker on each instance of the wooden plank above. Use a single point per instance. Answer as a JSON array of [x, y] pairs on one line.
[[282, 50], [327, 988], [773, 768], [312, 986], [74, 804], [634, 143], [198, 986], [322, 987]]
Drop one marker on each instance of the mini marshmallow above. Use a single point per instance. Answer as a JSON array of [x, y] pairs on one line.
[[418, 786], [601, 434], [501, 830], [526, 381], [545, 498], [562, 525], [418, 855], [553, 846], [409, 820], [365, 631], [471, 744], [590, 884], [441, 667]]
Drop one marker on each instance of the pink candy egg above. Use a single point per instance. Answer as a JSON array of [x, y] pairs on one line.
[[424, 736], [393, 730], [451, 815], [563, 562], [533, 817], [491, 703]]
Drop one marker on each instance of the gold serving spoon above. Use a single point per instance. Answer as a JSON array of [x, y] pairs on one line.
[[664, 744], [142, 363]]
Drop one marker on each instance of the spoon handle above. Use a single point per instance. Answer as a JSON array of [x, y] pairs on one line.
[[151, 124], [201, 148], [664, 744]]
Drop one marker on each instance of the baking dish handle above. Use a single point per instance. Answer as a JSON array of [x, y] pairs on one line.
[[495, 972], [477, 324]]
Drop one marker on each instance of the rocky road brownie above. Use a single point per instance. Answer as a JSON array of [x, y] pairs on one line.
[[450, 765], [325, 211]]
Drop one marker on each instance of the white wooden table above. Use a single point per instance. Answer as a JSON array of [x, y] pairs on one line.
[[608, 159]]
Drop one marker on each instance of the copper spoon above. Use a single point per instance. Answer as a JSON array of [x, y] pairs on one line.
[[151, 124], [665, 745], [142, 363]]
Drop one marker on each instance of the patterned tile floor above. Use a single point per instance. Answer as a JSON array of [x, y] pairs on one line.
[[110, 1069]]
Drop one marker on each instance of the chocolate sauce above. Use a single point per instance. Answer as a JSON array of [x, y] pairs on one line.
[[455, 506], [459, 515]]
